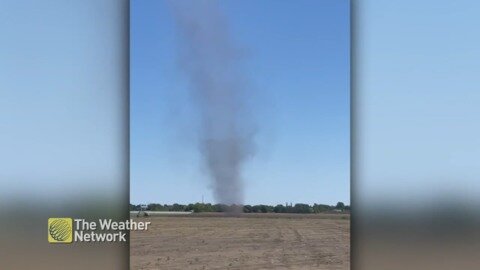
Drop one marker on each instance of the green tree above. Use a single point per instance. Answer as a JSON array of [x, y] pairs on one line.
[[247, 208], [319, 208], [340, 206], [302, 208], [280, 208]]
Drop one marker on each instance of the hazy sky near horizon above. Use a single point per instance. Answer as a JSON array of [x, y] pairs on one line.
[[297, 64]]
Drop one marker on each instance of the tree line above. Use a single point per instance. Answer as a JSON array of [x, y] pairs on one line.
[[260, 208]]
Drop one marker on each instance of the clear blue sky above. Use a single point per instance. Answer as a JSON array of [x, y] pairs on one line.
[[297, 62], [62, 93], [418, 101]]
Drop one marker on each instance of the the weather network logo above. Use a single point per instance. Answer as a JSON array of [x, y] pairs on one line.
[[60, 230]]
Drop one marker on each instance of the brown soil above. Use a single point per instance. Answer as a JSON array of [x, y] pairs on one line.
[[249, 241]]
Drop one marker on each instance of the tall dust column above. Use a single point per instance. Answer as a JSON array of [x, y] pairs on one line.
[[212, 62]]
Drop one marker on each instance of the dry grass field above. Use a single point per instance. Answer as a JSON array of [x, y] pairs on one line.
[[248, 241]]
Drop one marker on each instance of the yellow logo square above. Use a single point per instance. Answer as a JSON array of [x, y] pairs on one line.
[[60, 230]]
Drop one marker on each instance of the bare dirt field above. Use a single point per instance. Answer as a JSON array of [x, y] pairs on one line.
[[248, 241]]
